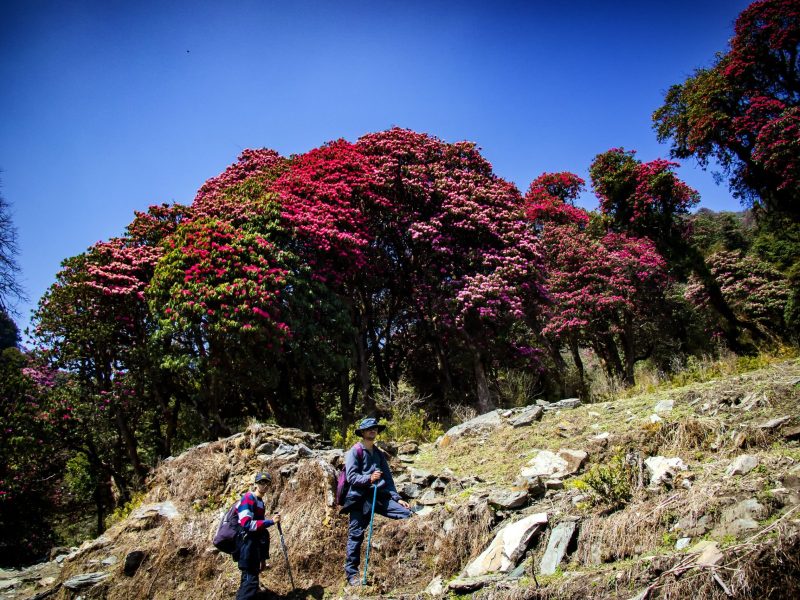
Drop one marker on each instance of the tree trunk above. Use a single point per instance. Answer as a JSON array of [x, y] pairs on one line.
[[365, 381], [131, 446], [485, 403], [583, 388], [346, 403]]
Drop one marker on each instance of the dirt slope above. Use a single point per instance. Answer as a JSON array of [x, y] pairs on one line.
[[721, 522]]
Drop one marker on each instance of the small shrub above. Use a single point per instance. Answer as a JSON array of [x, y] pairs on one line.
[[461, 413], [122, 512], [408, 421], [413, 426], [609, 485]]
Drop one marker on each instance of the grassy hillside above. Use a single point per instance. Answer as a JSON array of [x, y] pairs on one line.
[[724, 526]]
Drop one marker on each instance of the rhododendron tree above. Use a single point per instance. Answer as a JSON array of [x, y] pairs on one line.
[[759, 292], [31, 456], [742, 111], [236, 195], [551, 199], [95, 324], [644, 199], [648, 199], [607, 294], [425, 246], [216, 292], [460, 247], [90, 322]]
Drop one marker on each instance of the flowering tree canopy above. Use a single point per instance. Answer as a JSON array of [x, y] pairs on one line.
[[607, 294], [551, 198], [754, 289], [644, 199], [742, 112], [234, 194]]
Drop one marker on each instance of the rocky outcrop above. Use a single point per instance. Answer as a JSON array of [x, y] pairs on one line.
[[507, 547]]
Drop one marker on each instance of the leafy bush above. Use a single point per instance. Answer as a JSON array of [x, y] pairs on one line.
[[122, 512], [610, 485]]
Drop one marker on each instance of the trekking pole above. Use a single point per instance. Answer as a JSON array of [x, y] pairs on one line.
[[286, 556], [369, 539]]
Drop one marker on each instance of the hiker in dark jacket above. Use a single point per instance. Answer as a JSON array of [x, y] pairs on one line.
[[253, 542], [366, 468]]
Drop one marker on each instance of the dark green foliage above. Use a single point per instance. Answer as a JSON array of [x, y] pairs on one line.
[[714, 231], [9, 333]]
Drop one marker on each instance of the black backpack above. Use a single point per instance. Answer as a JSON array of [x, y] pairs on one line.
[[229, 528]]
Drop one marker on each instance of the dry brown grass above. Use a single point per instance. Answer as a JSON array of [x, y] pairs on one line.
[[690, 433], [638, 529]]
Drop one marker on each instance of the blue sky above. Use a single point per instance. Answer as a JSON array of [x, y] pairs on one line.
[[109, 106]]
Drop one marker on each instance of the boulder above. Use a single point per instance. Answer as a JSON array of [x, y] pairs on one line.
[[709, 554], [410, 491], [683, 543], [750, 509], [527, 416], [662, 469], [439, 484], [664, 406], [304, 450], [785, 496], [420, 477], [792, 434], [560, 538], [267, 447], [467, 585], [285, 450], [86, 580], [774, 423], [429, 498], [548, 464], [534, 485], [509, 499], [150, 515], [738, 528], [507, 547], [741, 465], [545, 464], [480, 424], [599, 441], [691, 526], [133, 561], [409, 447], [435, 587], [565, 403], [575, 459]]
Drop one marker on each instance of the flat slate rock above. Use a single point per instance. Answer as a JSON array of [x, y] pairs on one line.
[[527, 416], [86, 580], [509, 499], [565, 403], [465, 585], [506, 549], [560, 538]]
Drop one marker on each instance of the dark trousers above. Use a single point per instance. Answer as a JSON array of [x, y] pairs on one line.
[[359, 522], [248, 588]]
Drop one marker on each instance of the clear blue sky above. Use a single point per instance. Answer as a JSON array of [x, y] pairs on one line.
[[109, 106]]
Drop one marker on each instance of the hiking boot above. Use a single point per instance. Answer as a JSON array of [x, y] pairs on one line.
[[354, 581]]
